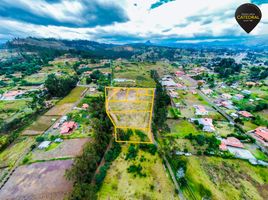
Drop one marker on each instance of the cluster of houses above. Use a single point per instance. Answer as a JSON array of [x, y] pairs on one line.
[[65, 127], [12, 95], [236, 147], [168, 82]]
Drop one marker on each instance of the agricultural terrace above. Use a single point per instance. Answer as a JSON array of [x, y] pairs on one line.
[[130, 110]]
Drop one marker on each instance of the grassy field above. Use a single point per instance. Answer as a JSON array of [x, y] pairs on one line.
[[73, 96], [8, 108], [226, 179], [181, 128], [40, 125], [11, 154], [224, 128], [248, 126], [66, 103], [119, 184], [139, 72]]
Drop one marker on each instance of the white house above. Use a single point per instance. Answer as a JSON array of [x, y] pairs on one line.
[[44, 145]]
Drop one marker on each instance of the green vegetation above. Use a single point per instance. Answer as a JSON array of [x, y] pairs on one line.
[[83, 170], [225, 178], [181, 128], [60, 86]]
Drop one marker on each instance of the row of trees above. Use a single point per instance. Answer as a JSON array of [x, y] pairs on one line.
[[162, 100]]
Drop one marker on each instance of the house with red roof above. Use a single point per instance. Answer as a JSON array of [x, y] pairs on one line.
[[261, 134], [245, 114], [68, 127], [11, 95], [179, 73], [200, 110], [231, 142], [85, 106]]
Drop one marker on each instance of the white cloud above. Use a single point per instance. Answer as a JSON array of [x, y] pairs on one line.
[[177, 19]]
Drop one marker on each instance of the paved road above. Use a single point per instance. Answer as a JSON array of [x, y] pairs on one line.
[[216, 107]]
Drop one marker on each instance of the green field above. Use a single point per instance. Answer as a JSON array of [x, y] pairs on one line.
[[181, 128], [135, 71], [8, 108], [73, 96], [119, 184], [226, 179], [11, 154]]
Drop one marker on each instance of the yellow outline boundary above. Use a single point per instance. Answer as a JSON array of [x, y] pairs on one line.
[[138, 94]]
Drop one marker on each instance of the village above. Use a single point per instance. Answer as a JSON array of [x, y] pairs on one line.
[[203, 123]]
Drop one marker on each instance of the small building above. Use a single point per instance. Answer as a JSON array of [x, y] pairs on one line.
[[207, 91], [246, 92], [227, 104], [44, 145], [63, 119], [238, 97], [168, 83], [58, 140], [85, 106], [245, 114], [56, 126], [11, 95], [226, 96], [200, 110], [179, 73], [68, 127]]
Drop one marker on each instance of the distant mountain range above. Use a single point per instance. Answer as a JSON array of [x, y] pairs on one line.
[[260, 42]]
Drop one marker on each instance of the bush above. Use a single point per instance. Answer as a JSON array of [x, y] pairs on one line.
[[132, 152], [40, 139], [151, 148]]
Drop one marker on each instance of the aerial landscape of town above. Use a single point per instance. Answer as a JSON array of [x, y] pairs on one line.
[[85, 119]]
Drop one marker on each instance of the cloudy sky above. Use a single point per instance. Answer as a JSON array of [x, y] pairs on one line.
[[123, 21]]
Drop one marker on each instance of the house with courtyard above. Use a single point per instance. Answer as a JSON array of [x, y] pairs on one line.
[[200, 110]]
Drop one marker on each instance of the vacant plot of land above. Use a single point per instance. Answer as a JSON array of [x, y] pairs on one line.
[[74, 95], [119, 184], [226, 179], [137, 72], [248, 126], [37, 78], [192, 99], [224, 128], [181, 128], [8, 108], [11, 154], [68, 148], [67, 102], [40, 125], [130, 107], [38, 181]]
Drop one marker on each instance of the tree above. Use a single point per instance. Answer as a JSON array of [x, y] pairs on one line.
[[60, 86]]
